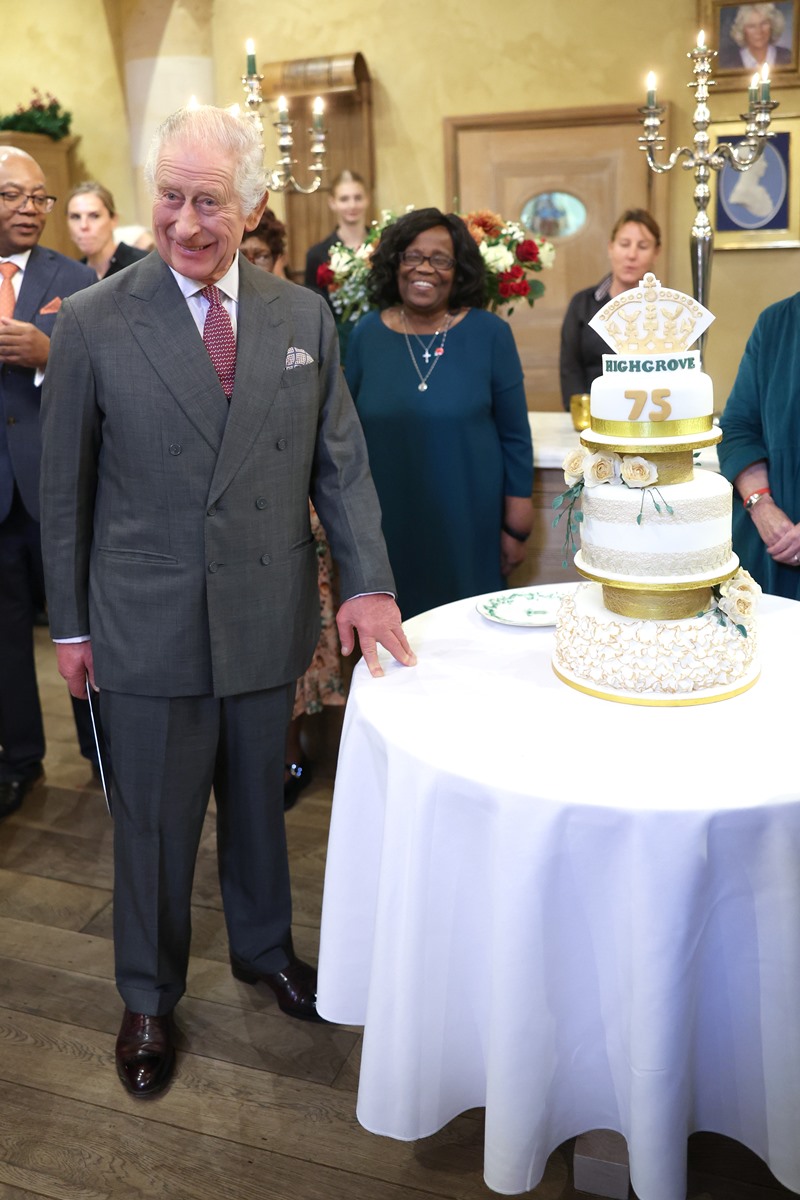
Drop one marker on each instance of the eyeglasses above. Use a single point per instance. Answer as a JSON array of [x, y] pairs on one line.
[[262, 259], [415, 258], [18, 200]]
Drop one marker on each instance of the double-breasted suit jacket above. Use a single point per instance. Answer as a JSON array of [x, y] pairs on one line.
[[191, 562]]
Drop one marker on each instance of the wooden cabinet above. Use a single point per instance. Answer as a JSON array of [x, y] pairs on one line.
[[56, 158]]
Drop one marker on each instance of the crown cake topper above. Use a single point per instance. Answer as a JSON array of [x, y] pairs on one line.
[[651, 319]]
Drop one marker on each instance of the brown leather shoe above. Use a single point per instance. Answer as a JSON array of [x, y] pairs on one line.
[[145, 1054], [295, 986]]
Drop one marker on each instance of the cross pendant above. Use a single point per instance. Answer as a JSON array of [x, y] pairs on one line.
[[427, 356]]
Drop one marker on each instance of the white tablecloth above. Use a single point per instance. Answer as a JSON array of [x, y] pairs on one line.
[[578, 914]]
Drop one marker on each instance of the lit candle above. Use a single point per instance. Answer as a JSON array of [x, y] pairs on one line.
[[701, 40], [317, 109], [283, 110], [250, 47], [765, 83], [752, 91], [651, 89]]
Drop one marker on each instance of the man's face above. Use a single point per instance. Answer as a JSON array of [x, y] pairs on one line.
[[20, 227], [197, 218]]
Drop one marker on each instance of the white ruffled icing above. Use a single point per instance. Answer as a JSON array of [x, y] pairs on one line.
[[670, 658]]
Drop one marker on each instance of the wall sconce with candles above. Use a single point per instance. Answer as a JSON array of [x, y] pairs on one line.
[[281, 177], [700, 158]]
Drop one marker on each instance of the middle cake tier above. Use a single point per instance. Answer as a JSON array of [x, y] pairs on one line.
[[683, 535]]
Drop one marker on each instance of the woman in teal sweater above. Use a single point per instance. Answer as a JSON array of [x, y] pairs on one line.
[[760, 450]]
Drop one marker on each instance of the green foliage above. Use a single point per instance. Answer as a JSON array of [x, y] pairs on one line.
[[43, 115]]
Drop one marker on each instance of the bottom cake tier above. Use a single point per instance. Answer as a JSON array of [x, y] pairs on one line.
[[695, 660]]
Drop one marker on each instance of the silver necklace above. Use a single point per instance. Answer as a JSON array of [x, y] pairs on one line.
[[422, 386]]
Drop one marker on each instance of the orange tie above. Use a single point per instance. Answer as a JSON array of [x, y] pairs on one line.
[[8, 297]]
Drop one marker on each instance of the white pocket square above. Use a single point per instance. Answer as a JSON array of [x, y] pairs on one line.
[[295, 357]]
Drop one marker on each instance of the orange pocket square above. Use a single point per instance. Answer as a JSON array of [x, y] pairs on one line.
[[52, 307]]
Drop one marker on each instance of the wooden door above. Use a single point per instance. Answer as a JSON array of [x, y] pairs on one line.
[[502, 162]]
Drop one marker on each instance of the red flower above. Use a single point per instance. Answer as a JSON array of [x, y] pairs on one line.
[[505, 288], [528, 251], [521, 288], [325, 276]]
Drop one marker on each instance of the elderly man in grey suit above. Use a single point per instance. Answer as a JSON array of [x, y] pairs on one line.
[[33, 282], [177, 546]]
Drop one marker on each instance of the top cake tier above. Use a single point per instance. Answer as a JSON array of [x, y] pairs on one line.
[[652, 401]]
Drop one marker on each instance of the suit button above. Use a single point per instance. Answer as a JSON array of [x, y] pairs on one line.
[[175, 448], [266, 559], [261, 502], [213, 567], [281, 443], [212, 510]]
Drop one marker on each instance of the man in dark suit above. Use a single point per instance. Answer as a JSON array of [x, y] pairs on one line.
[[33, 282], [176, 537]]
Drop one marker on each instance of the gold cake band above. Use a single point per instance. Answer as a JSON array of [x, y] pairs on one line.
[[675, 467], [655, 605], [646, 429]]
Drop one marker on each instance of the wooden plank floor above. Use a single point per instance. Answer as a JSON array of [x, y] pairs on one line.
[[262, 1107]]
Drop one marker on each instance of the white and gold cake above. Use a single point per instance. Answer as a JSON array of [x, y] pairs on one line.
[[668, 617]]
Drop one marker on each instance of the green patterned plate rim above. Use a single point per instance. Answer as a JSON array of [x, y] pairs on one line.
[[525, 606]]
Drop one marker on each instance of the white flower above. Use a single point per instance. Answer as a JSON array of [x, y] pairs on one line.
[[514, 231], [600, 468], [497, 258], [547, 253], [637, 472], [342, 260], [573, 465], [365, 251], [741, 581]]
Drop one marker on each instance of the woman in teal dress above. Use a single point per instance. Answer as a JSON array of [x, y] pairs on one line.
[[438, 386], [760, 450]]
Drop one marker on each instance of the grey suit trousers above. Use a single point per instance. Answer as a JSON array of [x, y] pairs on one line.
[[166, 755]]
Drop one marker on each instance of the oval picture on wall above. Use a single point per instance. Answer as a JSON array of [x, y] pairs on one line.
[[553, 214]]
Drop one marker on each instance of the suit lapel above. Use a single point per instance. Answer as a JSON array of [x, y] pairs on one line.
[[159, 318], [262, 339], [36, 280]]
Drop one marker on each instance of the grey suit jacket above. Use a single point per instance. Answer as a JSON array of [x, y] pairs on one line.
[[175, 530], [48, 277]]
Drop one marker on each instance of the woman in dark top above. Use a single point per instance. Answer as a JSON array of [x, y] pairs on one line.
[[438, 386], [91, 220], [348, 201], [632, 251]]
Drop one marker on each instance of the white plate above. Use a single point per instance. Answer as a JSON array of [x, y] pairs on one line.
[[524, 606]]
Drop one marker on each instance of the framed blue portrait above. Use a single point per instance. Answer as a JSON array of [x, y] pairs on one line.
[[758, 208]]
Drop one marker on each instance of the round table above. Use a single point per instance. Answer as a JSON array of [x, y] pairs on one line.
[[578, 914]]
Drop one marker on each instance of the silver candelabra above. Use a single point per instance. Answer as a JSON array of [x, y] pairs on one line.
[[281, 176], [700, 158]]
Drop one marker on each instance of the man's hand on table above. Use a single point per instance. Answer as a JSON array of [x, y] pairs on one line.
[[376, 619]]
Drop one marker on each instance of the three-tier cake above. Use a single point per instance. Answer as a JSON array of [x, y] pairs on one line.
[[668, 617]]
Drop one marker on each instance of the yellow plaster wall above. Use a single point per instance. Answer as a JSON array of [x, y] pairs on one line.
[[427, 61], [72, 49]]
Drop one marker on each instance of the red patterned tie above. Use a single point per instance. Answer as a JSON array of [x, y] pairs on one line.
[[8, 297], [218, 338]]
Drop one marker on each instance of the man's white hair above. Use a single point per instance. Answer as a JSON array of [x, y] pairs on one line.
[[219, 128]]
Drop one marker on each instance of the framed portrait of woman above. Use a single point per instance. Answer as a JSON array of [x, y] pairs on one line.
[[758, 209], [746, 36]]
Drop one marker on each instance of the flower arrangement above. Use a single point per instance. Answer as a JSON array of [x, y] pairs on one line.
[[345, 275], [512, 258], [582, 469], [44, 114]]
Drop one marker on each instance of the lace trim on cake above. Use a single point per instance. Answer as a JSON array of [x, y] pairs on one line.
[[650, 656], [684, 512], [627, 562]]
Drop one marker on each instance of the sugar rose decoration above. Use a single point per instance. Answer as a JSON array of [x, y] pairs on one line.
[[738, 598], [572, 465], [637, 472], [601, 468]]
